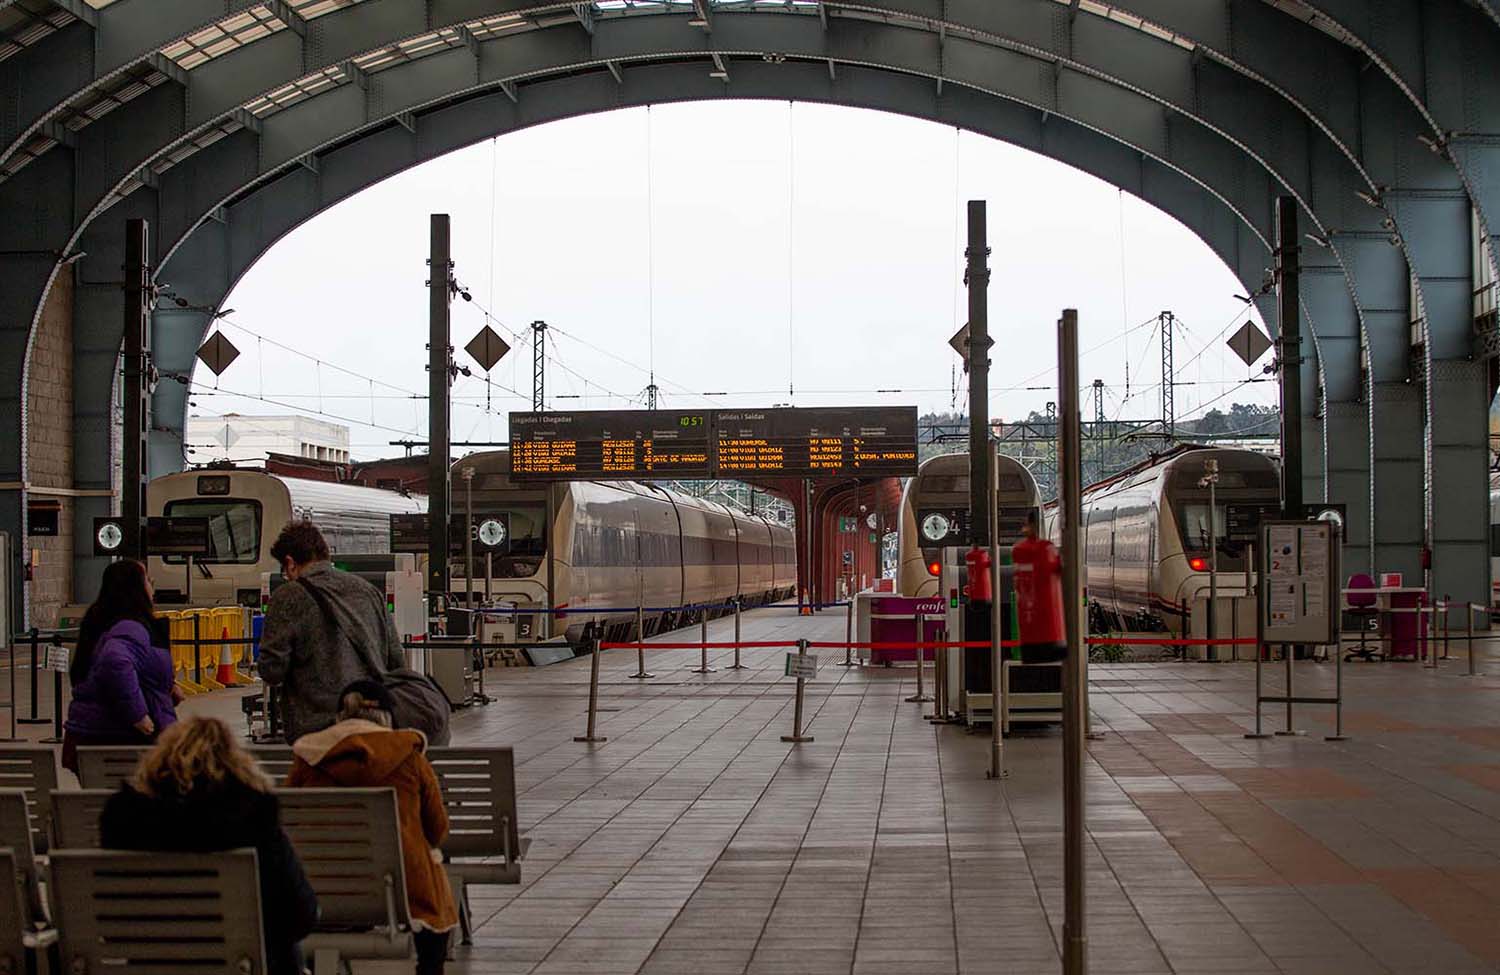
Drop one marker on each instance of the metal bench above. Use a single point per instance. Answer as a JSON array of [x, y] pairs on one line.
[[15, 835], [33, 770], [274, 760], [349, 841], [21, 936], [154, 912], [107, 766], [75, 818], [479, 791]]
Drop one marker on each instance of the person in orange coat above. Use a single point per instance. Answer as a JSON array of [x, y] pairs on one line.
[[362, 750]]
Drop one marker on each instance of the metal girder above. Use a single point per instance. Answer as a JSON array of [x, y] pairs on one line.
[[1059, 78]]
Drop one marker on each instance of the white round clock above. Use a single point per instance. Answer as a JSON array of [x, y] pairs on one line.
[[110, 536], [935, 527], [492, 532]]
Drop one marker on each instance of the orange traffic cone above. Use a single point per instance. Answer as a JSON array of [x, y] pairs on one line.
[[806, 604], [226, 674]]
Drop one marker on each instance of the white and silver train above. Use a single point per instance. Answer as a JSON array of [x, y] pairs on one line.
[[246, 509], [1149, 535], [943, 483], [618, 544]]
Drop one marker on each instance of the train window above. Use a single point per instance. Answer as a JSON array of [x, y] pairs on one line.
[[233, 527], [1196, 533]]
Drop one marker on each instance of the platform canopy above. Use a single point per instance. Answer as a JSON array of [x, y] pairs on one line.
[[227, 123]]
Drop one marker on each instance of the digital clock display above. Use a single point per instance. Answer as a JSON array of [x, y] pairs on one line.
[[655, 444]]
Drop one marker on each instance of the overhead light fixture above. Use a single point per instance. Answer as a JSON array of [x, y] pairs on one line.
[[697, 22]]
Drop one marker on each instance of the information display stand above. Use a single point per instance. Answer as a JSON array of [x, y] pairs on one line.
[[1298, 605]]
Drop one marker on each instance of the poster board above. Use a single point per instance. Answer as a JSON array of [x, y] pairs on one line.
[[1299, 566]]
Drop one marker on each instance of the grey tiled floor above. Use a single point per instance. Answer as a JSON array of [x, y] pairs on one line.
[[696, 841]]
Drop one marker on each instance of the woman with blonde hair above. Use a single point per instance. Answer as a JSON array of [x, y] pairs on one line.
[[198, 791], [363, 749]]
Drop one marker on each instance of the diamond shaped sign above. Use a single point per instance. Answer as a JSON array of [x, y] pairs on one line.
[[1249, 343], [217, 353], [487, 348]]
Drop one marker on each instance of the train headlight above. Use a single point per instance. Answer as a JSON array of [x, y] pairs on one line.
[[1198, 564]]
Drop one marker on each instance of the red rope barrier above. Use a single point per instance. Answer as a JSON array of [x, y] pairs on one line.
[[930, 645]]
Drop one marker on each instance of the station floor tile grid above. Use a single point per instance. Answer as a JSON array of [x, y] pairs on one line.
[[696, 841]]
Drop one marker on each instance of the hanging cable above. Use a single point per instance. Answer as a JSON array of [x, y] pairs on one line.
[[1124, 301], [650, 252], [791, 199]]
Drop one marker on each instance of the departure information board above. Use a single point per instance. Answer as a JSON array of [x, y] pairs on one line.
[[879, 441]]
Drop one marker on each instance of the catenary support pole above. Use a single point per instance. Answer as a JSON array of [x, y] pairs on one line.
[[1289, 354], [135, 376], [468, 475], [439, 359], [1070, 474]]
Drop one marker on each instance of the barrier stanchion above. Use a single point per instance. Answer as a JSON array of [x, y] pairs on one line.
[[593, 698], [736, 665], [9, 640], [1447, 622], [797, 736], [197, 651], [1338, 697], [703, 667], [940, 704], [1469, 636], [848, 660], [57, 710], [35, 635], [1260, 647], [640, 647], [921, 695]]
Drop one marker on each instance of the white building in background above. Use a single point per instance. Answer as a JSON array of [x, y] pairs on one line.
[[240, 438]]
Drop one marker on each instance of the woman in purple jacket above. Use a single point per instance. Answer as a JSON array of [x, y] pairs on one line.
[[124, 691]]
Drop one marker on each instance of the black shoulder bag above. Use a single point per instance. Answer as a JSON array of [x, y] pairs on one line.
[[420, 703]]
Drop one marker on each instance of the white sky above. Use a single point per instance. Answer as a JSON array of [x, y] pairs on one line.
[[738, 247]]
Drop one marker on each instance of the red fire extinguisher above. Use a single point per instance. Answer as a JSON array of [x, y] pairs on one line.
[[979, 575], [1039, 601]]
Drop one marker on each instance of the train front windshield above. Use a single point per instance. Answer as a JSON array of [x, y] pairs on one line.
[[234, 526], [1241, 480]]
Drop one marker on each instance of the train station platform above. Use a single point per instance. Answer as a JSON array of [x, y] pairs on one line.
[[695, 841]]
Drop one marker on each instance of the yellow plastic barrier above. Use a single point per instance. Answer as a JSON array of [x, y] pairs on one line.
[[215, 623]]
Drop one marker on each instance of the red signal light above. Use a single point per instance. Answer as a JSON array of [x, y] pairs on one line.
[[935, 568], [1198, 564]]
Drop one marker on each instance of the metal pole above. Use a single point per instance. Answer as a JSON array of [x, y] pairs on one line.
[[703, 667], [57, 710], [1338, 697], [1447, 621], [468, 474], [997, 656], [13, 708], [1289, 351], [1469, 636], [921, 638], [593, 697], [187, 583], [806, 531], [33, 719], [797, 735], [848, 660], [489, 576], [939, 682], [135, 378], [736, 665], [1070, 474], [640, 645], [197, 650], [977, 277], [1260, 604], [551, 561], [439, 379], [1213, 559]]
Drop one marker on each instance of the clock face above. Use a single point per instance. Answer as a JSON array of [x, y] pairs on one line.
[[110, 536], [872, 521], [935, 527], [492, 532]]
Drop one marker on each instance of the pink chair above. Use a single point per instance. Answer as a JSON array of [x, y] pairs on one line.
[[1361, 605]]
